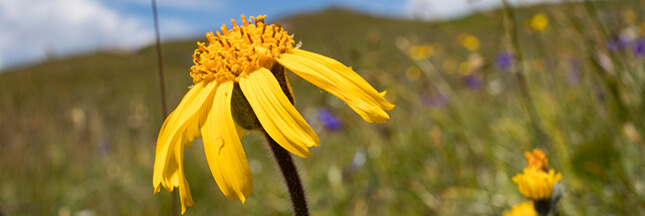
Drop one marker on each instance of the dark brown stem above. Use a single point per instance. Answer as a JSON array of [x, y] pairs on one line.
[[162, 88], [290, 173], [162, 85]]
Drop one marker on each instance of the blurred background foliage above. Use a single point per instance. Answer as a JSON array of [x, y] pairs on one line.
[[78, 134]]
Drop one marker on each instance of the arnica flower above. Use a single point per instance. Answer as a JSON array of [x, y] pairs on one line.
[[525, 208], [421, 52], [537, 160], [630, 17], [536, 184], [468, 41], [240, 84], [539, 22]]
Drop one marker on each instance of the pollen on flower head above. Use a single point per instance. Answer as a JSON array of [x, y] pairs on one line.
[[240, 50], [536, 184], [537, 160]]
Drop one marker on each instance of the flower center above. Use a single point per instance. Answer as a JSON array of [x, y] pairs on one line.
[[238, 51]]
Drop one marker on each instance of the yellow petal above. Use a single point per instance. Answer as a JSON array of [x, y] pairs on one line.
[[173, 176], [276, 114], [182, 183], [169, 167], [172, 132], [223, 148], [340, 81], [192, 130], [348, 74]]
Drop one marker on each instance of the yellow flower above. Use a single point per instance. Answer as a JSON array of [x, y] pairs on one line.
[[421, 52], [468, 41], [539, 22], [465, 68], [523, 209], [240, 84], [536, 184], [449, 66], [537, 160], [413, 73], [630, 17]]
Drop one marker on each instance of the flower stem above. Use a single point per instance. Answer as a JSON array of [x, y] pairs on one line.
[[162, 87], [290, 173]]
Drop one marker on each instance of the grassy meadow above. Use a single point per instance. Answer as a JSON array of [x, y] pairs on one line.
[[78, 134]]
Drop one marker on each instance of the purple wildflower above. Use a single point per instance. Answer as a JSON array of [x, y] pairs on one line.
[[435, 100], [639, 48], [473, 81], [624, 39], [613, 44], [104, 147], [504, 60], [328, 120], [573, 77]]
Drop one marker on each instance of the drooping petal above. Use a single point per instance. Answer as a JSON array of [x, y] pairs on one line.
[[276, 114], [348, 74], [173, 176], [192, 129], [181, 182], [223, 148], [339, 80], [172, 132]]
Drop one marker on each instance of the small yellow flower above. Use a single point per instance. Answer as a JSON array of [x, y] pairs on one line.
[[537, 160], [468, 41], [465, 68], [421, 52], [240, 84], [449, 66], [525, 208], [413, 73], [536, 184], [539, 22], [630, 17]]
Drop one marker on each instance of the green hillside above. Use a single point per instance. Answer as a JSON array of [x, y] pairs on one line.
[[77, 134]]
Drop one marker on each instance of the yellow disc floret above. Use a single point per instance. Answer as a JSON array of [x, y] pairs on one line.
[[239, 51], [537, 160]]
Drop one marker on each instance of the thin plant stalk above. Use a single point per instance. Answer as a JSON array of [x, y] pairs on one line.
[[162, 87]]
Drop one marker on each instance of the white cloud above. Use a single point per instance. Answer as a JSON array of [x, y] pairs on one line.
[[31, 29], [444, 9], [192, 5]]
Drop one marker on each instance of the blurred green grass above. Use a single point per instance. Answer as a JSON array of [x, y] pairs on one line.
[[78, 134]]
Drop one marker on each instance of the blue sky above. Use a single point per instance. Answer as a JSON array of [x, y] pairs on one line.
[[33, 30]]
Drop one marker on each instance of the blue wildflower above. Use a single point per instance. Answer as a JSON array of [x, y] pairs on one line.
[[473, 81], [504, 60], [573, 77], [613, 44], [639, 48], [328, 120], [435, 100]]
